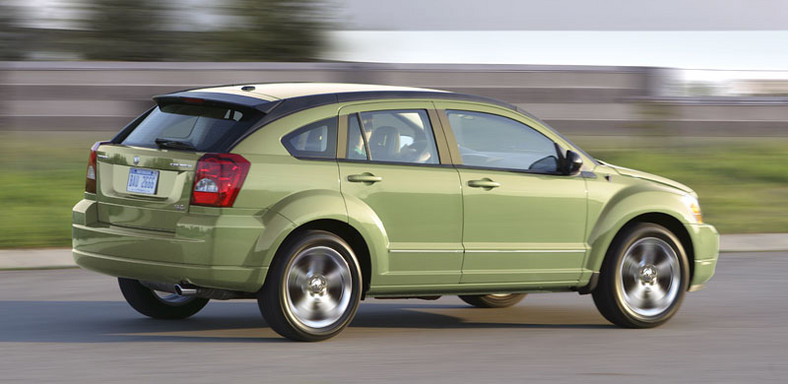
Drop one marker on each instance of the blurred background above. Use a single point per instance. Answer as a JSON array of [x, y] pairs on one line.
[[694, 90]]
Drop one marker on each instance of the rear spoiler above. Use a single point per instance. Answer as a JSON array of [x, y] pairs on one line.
[[217, 99]]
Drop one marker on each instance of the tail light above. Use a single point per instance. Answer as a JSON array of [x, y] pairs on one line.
[[218, 179], [92, 171]]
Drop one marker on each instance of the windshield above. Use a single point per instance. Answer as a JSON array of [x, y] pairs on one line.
[[198, 128]]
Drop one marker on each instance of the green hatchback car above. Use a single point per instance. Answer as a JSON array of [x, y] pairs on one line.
[[311, 197]]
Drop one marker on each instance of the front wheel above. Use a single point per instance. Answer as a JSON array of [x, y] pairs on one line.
[[313, 289], [159, 305], [643, 278], [494, 300]]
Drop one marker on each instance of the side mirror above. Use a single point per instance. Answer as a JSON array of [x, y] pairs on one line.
[[571, 163]]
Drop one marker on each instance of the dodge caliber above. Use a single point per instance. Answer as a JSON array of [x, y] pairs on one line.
[[310, 197]]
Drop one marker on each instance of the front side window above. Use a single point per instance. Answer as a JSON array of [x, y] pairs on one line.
[[399, 136], [317, 140], [493, 141]]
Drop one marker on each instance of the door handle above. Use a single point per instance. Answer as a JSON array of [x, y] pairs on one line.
[[364, 178], [484, 183]]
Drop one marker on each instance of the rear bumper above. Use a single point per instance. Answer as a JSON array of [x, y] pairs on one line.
[[245, 279], [214, 251], [706, 247]]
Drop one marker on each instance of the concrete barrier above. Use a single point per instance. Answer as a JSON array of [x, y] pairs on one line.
[[577, 100]]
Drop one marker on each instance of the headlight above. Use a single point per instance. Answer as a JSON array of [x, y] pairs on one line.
[[691, 202]]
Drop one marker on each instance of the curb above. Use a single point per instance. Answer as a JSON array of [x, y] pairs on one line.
[[755, 242], [44, 258], [56, 258]]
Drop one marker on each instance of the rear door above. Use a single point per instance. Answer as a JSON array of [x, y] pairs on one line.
[[391, 164], [145, 178]]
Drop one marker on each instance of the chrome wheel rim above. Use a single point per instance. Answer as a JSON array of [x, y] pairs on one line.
[[318, 287], [649, 277]]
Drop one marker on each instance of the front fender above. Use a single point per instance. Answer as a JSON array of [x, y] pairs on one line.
[[622, 208]]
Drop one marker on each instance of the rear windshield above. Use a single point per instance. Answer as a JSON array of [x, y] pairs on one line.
[[188, 127]]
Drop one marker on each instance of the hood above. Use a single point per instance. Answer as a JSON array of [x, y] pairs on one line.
[[651, 177]]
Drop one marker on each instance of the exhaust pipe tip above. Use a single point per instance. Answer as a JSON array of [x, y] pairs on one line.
[[185, 291]]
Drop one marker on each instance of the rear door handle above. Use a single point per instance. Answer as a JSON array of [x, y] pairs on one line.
[[483, 183], [364, 178]]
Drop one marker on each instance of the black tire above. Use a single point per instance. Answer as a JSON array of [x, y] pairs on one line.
[[167, 306], [644, 277], [501, 300], [313, 288]]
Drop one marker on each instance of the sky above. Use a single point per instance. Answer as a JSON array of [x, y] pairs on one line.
[[576, 15], [721, 35], [714, 36]]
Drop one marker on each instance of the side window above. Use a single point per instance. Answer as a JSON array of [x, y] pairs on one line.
[[399, 136], [317, 140], [492, 141]]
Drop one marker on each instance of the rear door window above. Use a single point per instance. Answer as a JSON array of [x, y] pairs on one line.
[[199, 128], [395, 136]]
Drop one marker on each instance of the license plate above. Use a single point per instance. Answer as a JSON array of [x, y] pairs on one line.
[[142, 181]]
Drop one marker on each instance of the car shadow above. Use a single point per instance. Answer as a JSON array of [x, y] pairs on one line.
[[240, 321], [436, 316]]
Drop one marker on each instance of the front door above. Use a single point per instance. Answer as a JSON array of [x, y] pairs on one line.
[[524, 222]]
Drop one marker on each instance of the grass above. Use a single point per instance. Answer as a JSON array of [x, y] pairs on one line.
[[43, 177], [742, 182]]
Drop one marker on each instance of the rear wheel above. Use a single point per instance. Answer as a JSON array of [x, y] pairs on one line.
[[643, 278], [495, 300], [159, 305], [313, 289]]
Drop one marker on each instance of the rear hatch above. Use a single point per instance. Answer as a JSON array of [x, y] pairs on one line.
[[146, 175]]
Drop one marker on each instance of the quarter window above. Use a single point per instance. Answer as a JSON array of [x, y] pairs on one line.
[[317, 140], [399, 136], [493, 141]]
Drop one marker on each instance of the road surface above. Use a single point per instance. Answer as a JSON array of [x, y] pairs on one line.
[[73, 326]]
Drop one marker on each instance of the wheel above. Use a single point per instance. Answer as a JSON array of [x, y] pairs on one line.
[[313, 288], [159, 305], [493, 300], [643, 278]]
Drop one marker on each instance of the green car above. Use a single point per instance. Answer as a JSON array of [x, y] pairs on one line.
[[311, 197]]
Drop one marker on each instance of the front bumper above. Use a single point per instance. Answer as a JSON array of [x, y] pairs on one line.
[[706, 248], [212, 251]]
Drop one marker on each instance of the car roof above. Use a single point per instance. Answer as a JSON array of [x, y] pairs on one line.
[[286, 98], [281, 91]]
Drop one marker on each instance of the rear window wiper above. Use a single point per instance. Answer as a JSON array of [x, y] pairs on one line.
[[174, 144]]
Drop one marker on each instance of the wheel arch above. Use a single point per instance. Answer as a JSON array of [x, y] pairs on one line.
[[671, 223], [347, 233], [327, 210]]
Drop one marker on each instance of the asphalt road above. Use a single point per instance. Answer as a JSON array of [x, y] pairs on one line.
[[73, 326]]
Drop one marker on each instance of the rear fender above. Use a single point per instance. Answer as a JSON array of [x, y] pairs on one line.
[[292, 212]]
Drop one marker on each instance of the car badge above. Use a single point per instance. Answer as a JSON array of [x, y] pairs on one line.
[[136, 160]]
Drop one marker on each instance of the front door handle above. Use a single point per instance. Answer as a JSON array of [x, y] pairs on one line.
[[364, 178], [484, 183]]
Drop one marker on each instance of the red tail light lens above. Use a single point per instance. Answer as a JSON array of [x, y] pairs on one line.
[[92, 171], [218, 179]]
